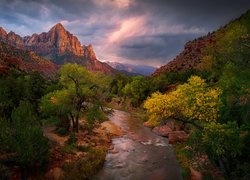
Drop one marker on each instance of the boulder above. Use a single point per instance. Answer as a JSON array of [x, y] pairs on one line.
[[162, 130], [171, 124], [148, 124], [177, 136]]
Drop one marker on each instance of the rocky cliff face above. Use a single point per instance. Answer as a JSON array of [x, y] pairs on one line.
[[3, 34], [190, 57], [15, 59], [58, 45], [93, 64], [56, 41]]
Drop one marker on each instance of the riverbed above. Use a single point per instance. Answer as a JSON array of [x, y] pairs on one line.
[[138, 154]]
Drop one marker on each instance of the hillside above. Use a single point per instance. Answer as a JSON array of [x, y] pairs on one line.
[[57, 45], [15, 59], [201, 53]]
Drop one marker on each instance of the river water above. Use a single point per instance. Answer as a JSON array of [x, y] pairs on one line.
[[139, 154]]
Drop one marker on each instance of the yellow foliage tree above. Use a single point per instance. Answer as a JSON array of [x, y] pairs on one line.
[[193, 102]]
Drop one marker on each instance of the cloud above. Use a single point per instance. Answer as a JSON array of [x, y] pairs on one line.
[[138, 31]]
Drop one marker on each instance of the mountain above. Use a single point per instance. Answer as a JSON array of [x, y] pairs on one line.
[[224, 43], [190, 57], [57, 45], [132, 69], [12, 58]]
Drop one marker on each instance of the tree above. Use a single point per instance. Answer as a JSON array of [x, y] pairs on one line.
[[193, 102], [118, 83], [20, 86], [24, 138], [222, 139], [80, 88], [137, 90]]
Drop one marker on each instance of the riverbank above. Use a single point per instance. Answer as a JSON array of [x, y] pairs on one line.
[[84, 155], [74, 156], [196, 166]]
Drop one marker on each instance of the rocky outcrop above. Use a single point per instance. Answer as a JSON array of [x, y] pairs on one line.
[[3, 34], [172, 130], [56, 41], [57, 45], [93, 64], [165, 129], [162, 130], [190, 58], [177, 136]]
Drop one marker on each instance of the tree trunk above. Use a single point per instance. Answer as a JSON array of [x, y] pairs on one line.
[[222, 167], [77, 124], [73, 122]]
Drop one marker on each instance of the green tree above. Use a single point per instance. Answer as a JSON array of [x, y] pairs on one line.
[[20, 86], [222, 142], [24, 138], [137, 90], [118, 83], [80, 89]]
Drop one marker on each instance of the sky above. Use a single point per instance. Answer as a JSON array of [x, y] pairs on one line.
[[148, 32]]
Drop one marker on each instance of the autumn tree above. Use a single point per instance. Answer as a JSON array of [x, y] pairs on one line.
[[193, 102]]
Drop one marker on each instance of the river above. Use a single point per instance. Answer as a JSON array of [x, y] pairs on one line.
[[139, 154]]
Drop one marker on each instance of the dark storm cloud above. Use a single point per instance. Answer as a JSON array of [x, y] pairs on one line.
[[147, 31], [160, 47], [198, 11]]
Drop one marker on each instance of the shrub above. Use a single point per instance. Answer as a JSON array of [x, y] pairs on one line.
[[24, 138], [61, 131], [87, 167]]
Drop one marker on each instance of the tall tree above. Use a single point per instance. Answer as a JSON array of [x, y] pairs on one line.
[[80, 88]]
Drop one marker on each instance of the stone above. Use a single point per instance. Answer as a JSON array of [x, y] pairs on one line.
[[162, 130], [177, 136], [148, 124], [195, 175], [55, 173]]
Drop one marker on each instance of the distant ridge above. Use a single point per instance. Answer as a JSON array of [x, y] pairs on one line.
[[131, 69]]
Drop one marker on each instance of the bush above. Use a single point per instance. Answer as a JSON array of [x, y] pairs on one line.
[[61, 131], [222, 140], [72, 139], [87, 167], [4, 172], [24, 138], [94, 116]]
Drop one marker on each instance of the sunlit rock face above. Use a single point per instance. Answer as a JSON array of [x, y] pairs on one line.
[[58, 45]]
